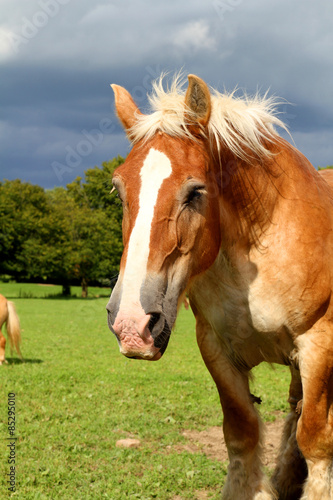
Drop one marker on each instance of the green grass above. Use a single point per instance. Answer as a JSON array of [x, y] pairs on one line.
[[76, 396]]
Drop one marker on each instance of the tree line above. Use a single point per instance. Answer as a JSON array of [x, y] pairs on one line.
[[62, 235]]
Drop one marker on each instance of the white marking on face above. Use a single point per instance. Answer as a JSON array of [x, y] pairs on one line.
[[156, 167]]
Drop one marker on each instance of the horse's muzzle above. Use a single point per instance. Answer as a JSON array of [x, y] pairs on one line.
[[140, 337]]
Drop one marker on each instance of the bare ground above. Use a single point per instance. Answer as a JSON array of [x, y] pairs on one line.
[[211, 442]]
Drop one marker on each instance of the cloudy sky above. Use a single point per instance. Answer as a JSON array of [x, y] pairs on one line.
[[58, 58]]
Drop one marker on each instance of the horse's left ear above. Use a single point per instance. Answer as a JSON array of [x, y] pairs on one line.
[[198, 100], [126, 108]]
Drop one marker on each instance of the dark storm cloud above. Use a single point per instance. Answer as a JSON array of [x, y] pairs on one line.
[[58, 57]]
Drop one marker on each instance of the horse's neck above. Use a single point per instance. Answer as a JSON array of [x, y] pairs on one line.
[[250, 192]]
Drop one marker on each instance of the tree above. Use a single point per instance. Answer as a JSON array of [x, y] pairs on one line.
[[62, 234], [34, 232], [83, 246], [90, 242], [104, 243], [21, 208]]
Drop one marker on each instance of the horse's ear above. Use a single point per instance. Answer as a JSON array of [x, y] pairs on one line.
[[126, 108], [198, 100]]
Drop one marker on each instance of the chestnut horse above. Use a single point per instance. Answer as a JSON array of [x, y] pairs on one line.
[[9, 316], [216, 204]]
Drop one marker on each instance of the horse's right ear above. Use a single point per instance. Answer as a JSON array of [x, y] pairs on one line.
[[126, 108]]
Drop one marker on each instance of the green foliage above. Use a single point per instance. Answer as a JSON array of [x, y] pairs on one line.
[[324, 168], [62, 234], [76, 396], [93, 196], [21, 205], [97, 186]]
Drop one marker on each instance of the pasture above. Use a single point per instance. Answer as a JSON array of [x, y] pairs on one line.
[[76, 396]]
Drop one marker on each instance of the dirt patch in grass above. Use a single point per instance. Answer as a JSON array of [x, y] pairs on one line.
[[211, 442], [198, 495]]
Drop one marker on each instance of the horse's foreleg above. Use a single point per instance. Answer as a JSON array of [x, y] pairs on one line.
[[315, 426], [241, 425], [291, 470], [2, 349]]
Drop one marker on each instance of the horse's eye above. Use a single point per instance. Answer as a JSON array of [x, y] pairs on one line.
[[194, 195], [119, 191], [116, 195]]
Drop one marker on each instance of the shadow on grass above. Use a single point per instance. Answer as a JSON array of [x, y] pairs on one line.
[[78, 297], [18, 361], [72, 297], [57, 297]]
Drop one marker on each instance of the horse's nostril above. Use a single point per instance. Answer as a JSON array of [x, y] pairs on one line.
[[154, 318]]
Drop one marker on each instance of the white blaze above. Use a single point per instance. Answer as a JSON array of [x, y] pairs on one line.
[[156, 167]]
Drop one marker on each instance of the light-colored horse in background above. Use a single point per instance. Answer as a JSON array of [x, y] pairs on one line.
[[8, 316]]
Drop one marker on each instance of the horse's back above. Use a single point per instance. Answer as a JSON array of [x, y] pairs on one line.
[[3, 309], [327, 191], [327, 175]]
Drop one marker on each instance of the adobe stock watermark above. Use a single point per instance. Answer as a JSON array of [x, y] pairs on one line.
[[286, 116], [94, 138], [91, 139], [224, 7], [139, 92], [31, 27]]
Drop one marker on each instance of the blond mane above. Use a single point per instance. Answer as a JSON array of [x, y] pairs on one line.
[[241, 124]]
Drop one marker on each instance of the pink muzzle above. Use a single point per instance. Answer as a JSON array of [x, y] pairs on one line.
[[134, 337]]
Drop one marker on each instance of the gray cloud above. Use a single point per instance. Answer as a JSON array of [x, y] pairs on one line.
[[58, 57]]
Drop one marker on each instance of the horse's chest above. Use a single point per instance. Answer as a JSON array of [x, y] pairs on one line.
[[266, 310], [251, 320], [253, 330]]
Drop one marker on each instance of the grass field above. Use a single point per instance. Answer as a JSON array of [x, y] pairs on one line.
[[75, 396]]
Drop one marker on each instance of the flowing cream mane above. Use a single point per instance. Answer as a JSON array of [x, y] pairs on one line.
[[241, 124]]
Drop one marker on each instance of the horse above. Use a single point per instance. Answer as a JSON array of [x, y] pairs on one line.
[[8, 316], [219, 206]]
